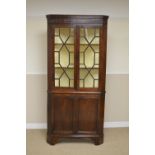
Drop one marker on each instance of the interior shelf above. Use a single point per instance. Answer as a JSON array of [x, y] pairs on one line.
[[64, 43], [74, 44], [68, 51]]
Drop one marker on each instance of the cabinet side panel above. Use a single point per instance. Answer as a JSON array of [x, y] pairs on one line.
[[103, 49]]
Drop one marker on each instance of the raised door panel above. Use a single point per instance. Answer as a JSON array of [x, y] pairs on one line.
[[63, 114], [87, 114]]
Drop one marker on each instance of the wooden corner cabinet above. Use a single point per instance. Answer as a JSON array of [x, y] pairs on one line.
[[76, 76]]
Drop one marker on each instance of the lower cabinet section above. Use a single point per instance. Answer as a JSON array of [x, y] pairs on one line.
[[77, 116]]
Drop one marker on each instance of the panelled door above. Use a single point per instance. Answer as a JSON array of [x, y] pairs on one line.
[[75, 114], [88, 114], [63, 113]]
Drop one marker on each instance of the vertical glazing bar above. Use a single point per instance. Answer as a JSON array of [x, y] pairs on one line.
[[76, 57]]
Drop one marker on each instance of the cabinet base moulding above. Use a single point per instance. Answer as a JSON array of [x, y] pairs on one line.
[[53, 139]]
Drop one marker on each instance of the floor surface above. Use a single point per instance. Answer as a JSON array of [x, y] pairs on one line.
[[116, 142]]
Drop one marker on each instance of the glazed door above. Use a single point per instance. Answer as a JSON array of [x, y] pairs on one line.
[[76, 58], [64, 55], [89, 52]]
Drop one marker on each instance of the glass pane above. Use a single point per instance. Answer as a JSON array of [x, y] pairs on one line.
[[64, 57], [89, 57]]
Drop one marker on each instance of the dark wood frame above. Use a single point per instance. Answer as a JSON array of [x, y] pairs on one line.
[[73, 98]]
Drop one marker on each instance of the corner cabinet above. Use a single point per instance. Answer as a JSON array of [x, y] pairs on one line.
[[76, 76]]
